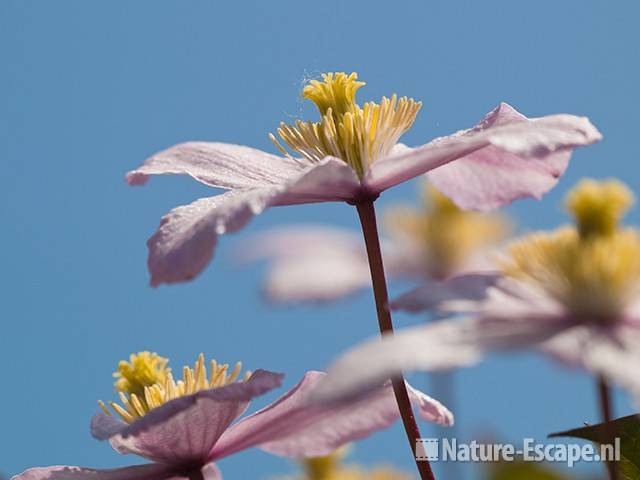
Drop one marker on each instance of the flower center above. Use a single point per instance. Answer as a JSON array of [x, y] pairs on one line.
[[593, 269], [357, 135], [449, 235], [145, 382]]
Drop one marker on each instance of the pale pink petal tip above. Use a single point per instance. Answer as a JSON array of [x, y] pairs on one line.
[[430, 409], [522, 158], [506, 156], [136, 179]]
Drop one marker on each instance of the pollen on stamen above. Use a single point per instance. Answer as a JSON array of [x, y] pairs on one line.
[[140, 399], [356, 135]]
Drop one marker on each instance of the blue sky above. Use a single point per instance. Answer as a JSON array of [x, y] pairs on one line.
[[91, 88]]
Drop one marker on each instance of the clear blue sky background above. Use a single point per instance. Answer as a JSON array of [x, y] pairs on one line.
[[91, 88]]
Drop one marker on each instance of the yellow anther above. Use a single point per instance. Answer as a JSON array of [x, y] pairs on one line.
[[450, 235], [187, 375], [356, 135], [103, 407], [142, 370], [137, 405], [126, 415], [235, 372], [598, 206], [336, 91], [146, 395], [220, 375]]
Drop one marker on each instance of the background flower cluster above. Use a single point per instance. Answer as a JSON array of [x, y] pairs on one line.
[[93, 89]]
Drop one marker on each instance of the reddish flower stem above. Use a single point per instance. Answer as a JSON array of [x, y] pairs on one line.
[[367, 214], [606, 411]]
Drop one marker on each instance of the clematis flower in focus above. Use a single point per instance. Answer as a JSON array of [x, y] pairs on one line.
[[331, 467], [352, 154], [439, 244], [184, 426], [572, 293]]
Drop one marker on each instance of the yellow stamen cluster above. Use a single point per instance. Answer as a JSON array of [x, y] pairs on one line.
[[331, 467], [146, 383], [450, 235], [357, 135], [598, 207], [142, 370], [594, 269]]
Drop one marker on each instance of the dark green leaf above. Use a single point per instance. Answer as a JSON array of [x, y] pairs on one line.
[[627, 429]]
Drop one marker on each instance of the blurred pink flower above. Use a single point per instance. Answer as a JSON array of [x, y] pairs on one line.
[[184, 436], [352, 155], [445, 248], [571, 293]]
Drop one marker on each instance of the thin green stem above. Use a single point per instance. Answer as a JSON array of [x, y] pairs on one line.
[[367, 214]]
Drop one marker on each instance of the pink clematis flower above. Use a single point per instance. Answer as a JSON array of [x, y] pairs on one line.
[[445, 248], [571, 293], [184, 427], [352, 155]]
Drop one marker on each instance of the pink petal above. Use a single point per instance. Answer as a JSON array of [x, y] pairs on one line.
[[218, 165], [442, 345], [184, 430], [505, 157], [439, 294], [292, 427], [186, 239], [330, 180], [309, 262], [318, 263], [321, 278], [436, 346], [139, 472], [300, 241], [611, 352], [184, 243]]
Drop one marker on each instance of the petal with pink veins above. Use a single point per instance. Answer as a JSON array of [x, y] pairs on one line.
[[184, 430], [185, 241], [220, 165], [505, 157], [292, 426]]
